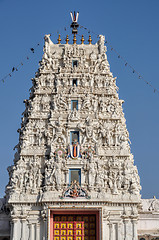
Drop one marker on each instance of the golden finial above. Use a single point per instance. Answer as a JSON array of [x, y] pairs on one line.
[[67, 39], [90, 39], [59, 39], [82, 40], [74, 39]]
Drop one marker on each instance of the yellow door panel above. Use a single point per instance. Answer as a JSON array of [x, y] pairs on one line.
[[63, 238], [69, 232], [79, 225], [70, 225], [56, 232], [56, 225], [78, 232], [69, 238], [56, 238], [63, 232], [63, 225]]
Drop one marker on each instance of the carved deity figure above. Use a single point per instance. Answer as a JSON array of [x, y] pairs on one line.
[[58, 172], [53, 173], [61, 102], [102, 47], [95, 104], [100, 178], [113, 181], [87, 102], [88, 131], [59, 132], [92, 169], [105, 133]]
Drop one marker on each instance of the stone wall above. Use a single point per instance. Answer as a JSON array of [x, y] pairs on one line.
[[148, 225]]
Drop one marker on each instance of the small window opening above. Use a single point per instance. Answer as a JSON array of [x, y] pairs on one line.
[[74, 82], [74, 63], [74, 175], [74, 136], [74, 105]]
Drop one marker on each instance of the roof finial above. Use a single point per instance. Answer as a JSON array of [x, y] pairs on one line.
[[90, 39], [82, 40], [67, 39], [59, 39], [74, 25]]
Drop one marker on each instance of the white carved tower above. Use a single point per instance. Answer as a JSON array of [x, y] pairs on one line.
[[73, 163]]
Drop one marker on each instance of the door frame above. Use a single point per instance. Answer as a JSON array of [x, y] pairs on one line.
[[87, 211]]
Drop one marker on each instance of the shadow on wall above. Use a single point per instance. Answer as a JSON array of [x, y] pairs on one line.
[[4, 238]]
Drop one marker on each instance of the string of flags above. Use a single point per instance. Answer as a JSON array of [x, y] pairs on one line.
[[32, 50], [155, 90], [17, 67]]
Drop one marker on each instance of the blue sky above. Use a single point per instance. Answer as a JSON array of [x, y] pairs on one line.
[[130, 26]]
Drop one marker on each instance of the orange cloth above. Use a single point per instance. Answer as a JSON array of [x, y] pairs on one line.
[[75, 150]]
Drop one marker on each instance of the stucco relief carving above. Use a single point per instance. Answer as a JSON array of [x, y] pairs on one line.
[[54, 173], [99, 120], [59, 132]]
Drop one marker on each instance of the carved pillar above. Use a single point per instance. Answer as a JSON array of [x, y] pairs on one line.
[[134, 227], [115, 230], [37, 231], [82, 177], [105, 229], [15, 231], [44, 218], [31, 231], [23, 234], [126, 229], [67, 177], [11, 230], [119, 231], [110, 231], [44, 230]]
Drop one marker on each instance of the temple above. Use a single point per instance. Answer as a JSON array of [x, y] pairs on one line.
[[74, 176]]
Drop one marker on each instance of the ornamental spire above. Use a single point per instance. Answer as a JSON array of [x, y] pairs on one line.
[[74, 25]]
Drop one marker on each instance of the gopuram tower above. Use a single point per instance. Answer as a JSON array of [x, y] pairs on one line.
[[73, 176]]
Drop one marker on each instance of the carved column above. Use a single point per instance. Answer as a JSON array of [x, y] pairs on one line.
[[134, 227], [23, 234], [126, 229], [15, 231], [44, 218], [119, 231], [37, 231], [11, 229], [67, 176], [114, 231], [110, 231], [31, 231], [105, 229], [44, 229]]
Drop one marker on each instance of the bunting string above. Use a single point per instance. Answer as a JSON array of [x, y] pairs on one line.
[[119, 56], [155, 90], [32, 50]]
